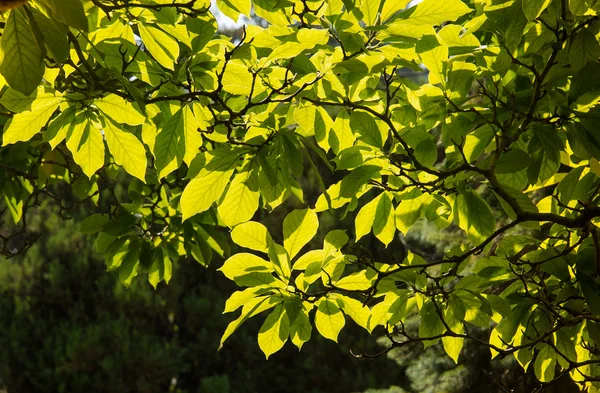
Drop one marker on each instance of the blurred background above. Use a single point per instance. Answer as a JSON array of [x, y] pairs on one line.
[[67, 325]]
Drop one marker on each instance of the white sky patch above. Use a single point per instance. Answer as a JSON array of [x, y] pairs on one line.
[[225, 22]]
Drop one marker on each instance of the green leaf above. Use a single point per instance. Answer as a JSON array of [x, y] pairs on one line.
[[93, 223], [177, 141], [23, 61], [126, 149], [252, 235], [334, 241], [366, 217], [431, 325], [329, 319], [160, 45], [392, 7], [239, 298], [514, 160], [233, 8], [129, 266], [533, 8], [313, 256], [545, 363], [358, 281], [364, 125], [341, 136], [568, 184], [120, 110], [250, 309], [384, 224], [274, 332], [355, 309], [169, 146], [352, 183], [408, 212], [242, 264], [474, 215], [370, 9], [301, 328], [476, 142], [240, 201], [55, 40], [209, 185], [579, 7], [584, 49], [71, 12], [23, 126], [435, 57], [85, 142], [161, 268], [299, 227]]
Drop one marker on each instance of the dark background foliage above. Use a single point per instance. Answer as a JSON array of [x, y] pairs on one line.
[[69, 326]]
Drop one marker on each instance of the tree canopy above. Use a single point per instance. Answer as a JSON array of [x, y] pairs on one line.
[[499, 140]]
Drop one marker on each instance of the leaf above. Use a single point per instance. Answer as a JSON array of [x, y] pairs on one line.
[[533, 8], [120, 110], [545, 363], [85, 142], [365, 126], [392, 7], [334, 241], [341, 136], [474, 215], [23, 126], [431, 325], [233, 8], [252, 235], [453, 316], [358, 281], [312, 257], [408, 212], [366, 217], [250, 309], [579, 7], [384, 224], [274, 332], [71, 12], [329, 319], [355, 309], [239, 298], [161, 268], [567, 185], [476, 142], [169, 146], [23, 61], [209, 185], [55, 41], [512, 161], [240, 201], [242, 264], [129, 266], [160, 45], [433, 13], [435, 57], [301, 329], [352, 183], [126, 149], [299, 227], [584, 49], [93, 224], [369, 9]]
